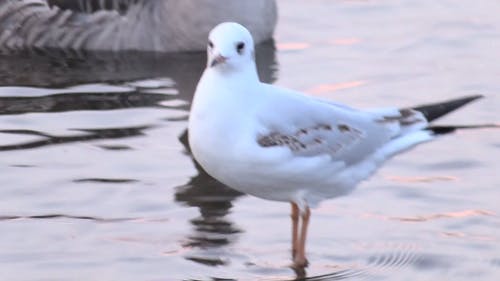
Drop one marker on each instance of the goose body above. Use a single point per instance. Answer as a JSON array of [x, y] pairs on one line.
[[141, 25]]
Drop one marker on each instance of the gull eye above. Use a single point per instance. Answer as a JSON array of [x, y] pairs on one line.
[[210, 44], [239, 47]]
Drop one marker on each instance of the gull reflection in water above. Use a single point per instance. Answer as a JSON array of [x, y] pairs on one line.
[[58, 70], [212, 229]]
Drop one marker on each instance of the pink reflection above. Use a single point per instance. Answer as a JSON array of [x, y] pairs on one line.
[[345, 41], [327, 88], [176, 252], [458, 214], [424, 218], [462, 235], [292, 46], [421, 179]]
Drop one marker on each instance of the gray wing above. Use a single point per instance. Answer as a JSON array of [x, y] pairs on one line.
[[348, 135]]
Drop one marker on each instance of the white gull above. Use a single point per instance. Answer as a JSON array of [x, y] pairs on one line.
[[281, 145]]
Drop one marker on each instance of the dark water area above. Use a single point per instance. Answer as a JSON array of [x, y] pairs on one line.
[[97, 182]]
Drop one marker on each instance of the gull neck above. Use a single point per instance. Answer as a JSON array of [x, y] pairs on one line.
[[242, 74]]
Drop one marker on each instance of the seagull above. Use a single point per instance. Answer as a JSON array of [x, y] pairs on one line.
[[282, 145]]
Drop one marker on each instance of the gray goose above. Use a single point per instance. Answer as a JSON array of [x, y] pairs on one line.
[[121, 25]]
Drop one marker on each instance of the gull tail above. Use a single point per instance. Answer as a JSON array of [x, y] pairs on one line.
[[436, 110]]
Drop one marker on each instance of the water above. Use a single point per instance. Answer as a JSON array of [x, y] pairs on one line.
[[97, 182]]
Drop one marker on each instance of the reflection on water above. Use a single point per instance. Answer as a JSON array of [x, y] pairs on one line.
[[60, 216], [86, 135], [68, 68], [63, 102], [213, 199], [70, 82]]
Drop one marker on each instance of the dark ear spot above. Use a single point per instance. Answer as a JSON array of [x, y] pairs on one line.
[[240, 47]]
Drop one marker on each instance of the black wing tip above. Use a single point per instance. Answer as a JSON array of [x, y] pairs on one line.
[[468, 99], [446, 129], [441, 130], [436, 110]]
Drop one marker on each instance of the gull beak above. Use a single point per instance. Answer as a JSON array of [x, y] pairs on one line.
[[218, 60]]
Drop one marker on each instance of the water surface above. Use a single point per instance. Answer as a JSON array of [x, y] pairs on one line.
[[97, 182]]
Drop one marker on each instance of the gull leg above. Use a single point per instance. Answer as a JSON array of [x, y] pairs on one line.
[[295, 228], [300, 258]]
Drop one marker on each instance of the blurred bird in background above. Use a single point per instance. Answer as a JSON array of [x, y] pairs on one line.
[[119, 25]]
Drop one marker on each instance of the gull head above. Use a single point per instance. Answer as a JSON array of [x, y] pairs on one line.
[[230, 47]]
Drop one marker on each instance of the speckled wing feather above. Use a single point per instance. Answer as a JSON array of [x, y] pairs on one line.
[[346, 138], [319, 139]]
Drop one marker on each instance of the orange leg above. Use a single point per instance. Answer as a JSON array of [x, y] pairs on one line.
[[295, 228], [300, 256]]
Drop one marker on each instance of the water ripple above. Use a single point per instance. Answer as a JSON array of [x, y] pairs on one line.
[[207, 261], [63, 102], [338, 275], [458, 214], [87, 135], [393, 259], [63, 216], [104, 180]]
